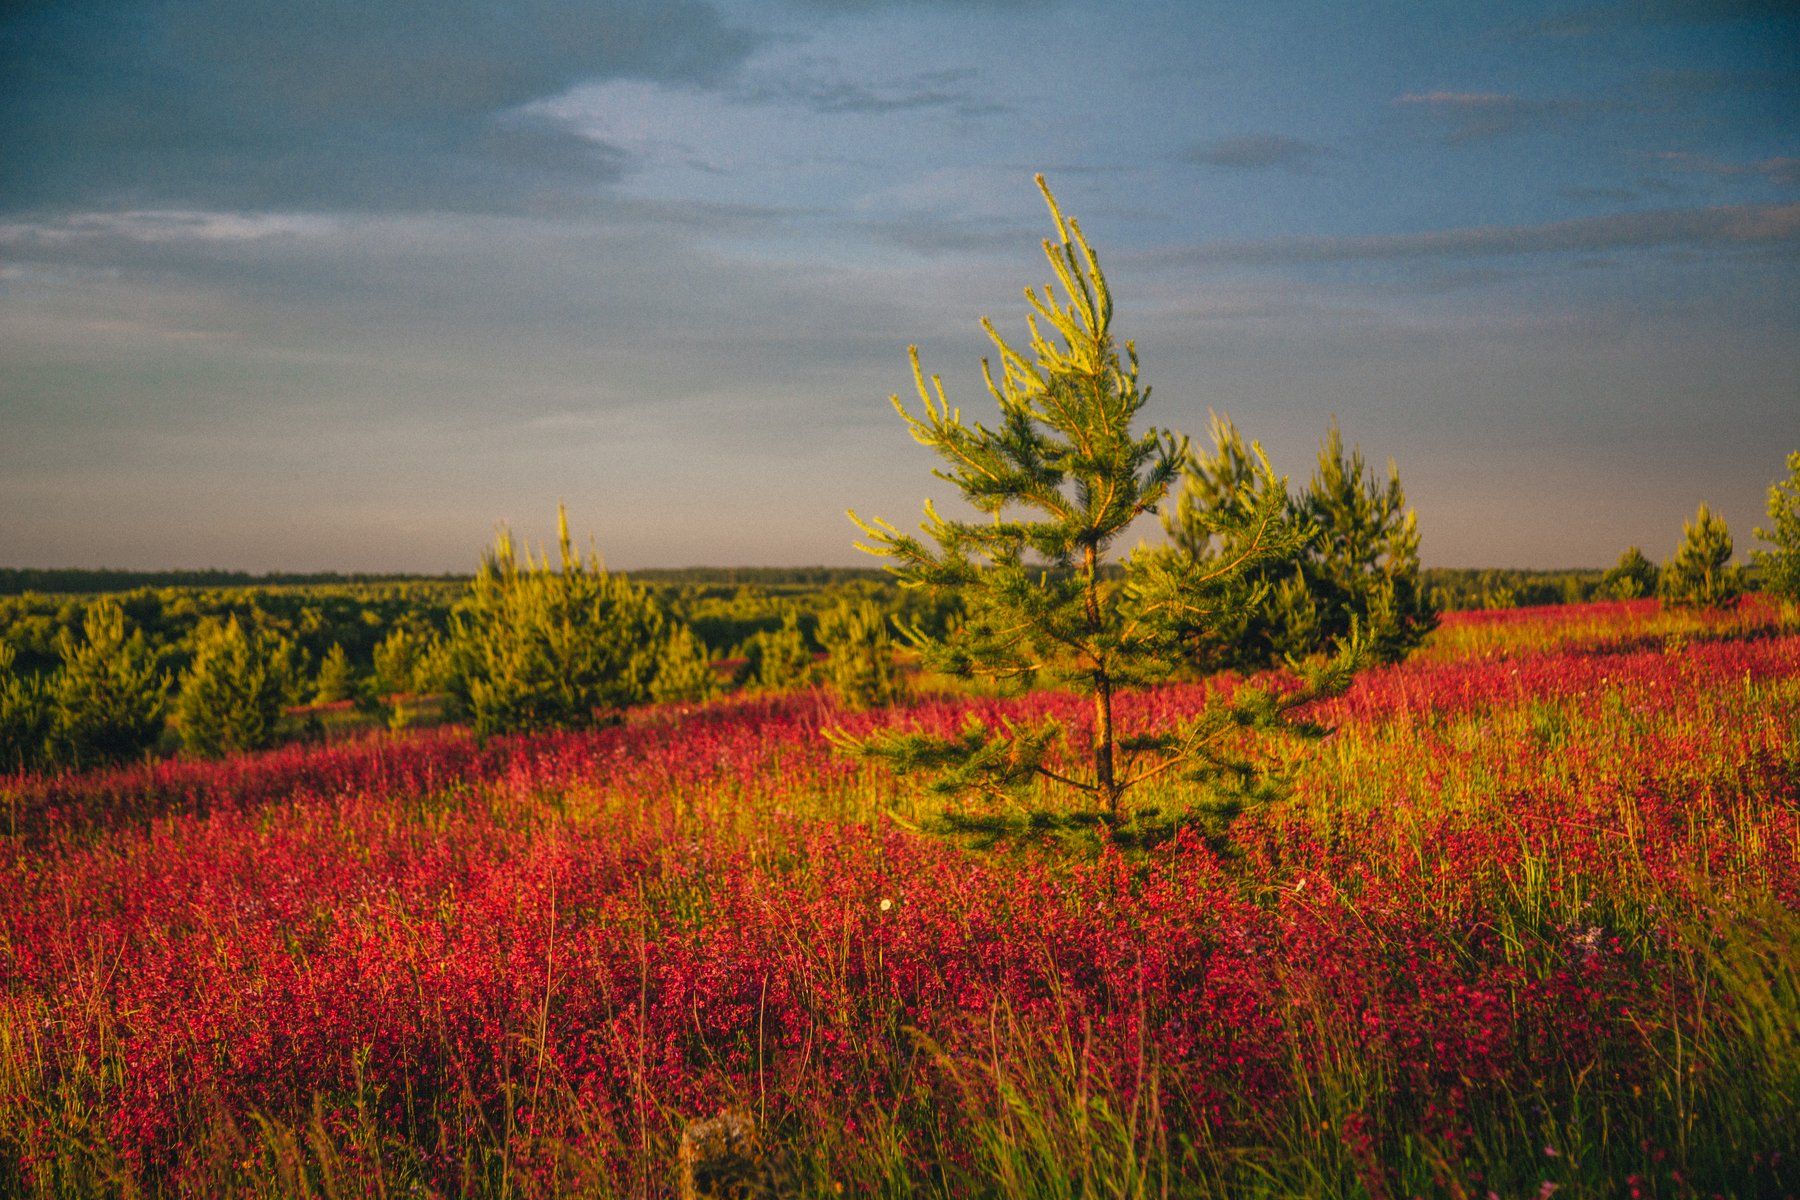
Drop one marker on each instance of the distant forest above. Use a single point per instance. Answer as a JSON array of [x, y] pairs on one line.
[[1452, 587]]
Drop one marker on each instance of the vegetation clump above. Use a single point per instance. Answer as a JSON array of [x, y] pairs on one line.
[[107, 700], [859, 649]]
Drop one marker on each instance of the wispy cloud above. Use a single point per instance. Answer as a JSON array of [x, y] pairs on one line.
[[1475, 116], [1609, 18], [1734, 226], [1257, 152], [818, 86], [1783, 169]]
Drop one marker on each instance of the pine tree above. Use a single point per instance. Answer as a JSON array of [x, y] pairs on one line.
[[1633, 576], [1780, 567], [540, 648], [1362, 566], [336, 679], [1700, 574], [1358, 566], [1224, 489], [1058, 481], [233, 691], [859, 648], [684, 672], [780, 658], [108, 698], [25, 718]]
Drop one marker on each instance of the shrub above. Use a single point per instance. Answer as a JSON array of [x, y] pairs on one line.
[[336, 680], [1356, 567], [684, 672], [780, 658], [24, 717]]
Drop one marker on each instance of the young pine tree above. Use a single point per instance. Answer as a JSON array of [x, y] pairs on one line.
[[684, 673], [233, 691], [859, 649], [1362, 565], [108, 698], [1223, 490], [336, 679], [1780, 567], [781, 658], [1056, 482], [1631, 578], [538, 648], [25, 718], [1357, 568], [1700, 574]]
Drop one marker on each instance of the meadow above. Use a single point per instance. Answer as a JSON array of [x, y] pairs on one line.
[[1527, 923]]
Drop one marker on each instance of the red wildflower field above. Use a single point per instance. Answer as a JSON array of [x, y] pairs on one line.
[[1527, 922]]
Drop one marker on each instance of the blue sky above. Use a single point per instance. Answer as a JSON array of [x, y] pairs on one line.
[[344, 284]]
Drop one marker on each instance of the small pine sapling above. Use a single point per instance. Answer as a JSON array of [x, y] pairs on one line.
[[859, 654], [1631, 578], [107, 700], [1700, 574], [535, 647], [232, 693], [1780, 567]]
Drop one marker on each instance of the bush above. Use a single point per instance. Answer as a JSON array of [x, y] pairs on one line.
[[336, 680], [781, 659], [684, 673], [1356, 567], [233, 691]]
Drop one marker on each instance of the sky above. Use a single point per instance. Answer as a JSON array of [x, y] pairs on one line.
[[344, 284]]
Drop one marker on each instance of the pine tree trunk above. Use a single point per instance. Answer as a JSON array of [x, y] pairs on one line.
[[1103, 714]]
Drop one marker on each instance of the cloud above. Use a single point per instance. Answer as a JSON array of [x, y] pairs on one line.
[[815, 86], [875, 6], [1609, 18], [340, 104], [1734, 226], [1257, 151], [1779, 169], [1476, 116]]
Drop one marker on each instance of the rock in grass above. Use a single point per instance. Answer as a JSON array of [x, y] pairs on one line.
[[724, 1156]]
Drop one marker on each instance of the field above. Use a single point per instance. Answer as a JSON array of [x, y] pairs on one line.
[[1528, 923]]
